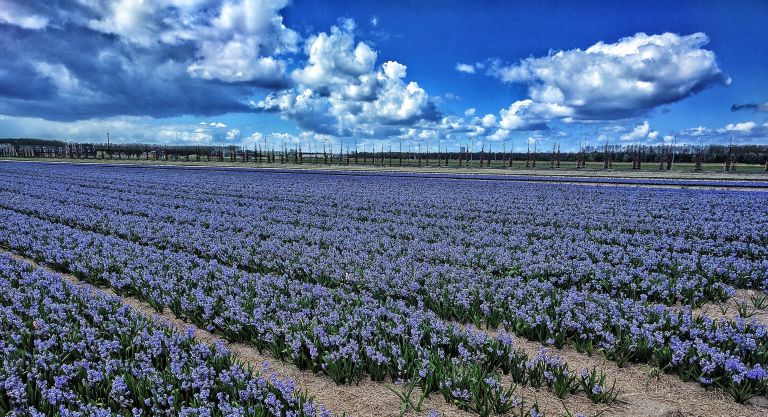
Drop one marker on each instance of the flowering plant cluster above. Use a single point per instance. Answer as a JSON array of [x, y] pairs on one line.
[[368, 274], [69, 351]]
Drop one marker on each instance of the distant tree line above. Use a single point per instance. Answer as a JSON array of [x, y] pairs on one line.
[[745, 154], [662, 157]]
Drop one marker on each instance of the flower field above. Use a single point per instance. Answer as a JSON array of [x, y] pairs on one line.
[[425, 280], [71, 352]]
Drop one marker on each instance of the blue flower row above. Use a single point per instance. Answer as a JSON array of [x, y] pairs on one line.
[[69, 351]]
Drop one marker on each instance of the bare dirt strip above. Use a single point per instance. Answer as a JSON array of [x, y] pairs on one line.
[[745, 304], [644, 391]]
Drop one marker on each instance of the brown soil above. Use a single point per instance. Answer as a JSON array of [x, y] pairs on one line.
[[730, 308]]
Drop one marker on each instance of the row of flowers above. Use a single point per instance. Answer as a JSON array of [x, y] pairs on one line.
[[69, 351], [280, 240], [346, 336]]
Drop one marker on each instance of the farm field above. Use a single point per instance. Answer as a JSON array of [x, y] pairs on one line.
[[418, 294]]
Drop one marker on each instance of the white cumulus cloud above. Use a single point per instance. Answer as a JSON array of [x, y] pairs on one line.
[[236, 40], [743, 132], [640, 132], [741, 127], [617, 80], [334, 59], [341, 91], [489, 120], [233, 134], [522, 115]]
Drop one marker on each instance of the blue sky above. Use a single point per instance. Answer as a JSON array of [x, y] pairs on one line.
[[436, 73]]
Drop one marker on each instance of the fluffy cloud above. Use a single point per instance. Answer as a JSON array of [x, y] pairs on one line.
[[499, 134], [615, 81], [233, 135], [14, 14], [465, 68], [237, 42], [341, 92], [741, 127], [639, 133], [744, 132], [522, 115], [489, 120], [335, 60], [255, 137], [129, 57]]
